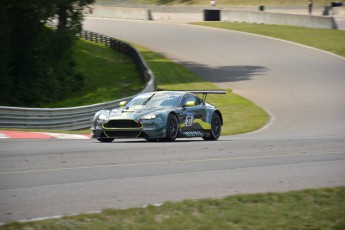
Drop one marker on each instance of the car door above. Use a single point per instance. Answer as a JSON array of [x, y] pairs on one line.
[[192, 116]]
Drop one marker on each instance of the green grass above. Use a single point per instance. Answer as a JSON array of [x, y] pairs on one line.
[[108, 75], [324, 39], [240, 115], [221, 2], [306, 209]]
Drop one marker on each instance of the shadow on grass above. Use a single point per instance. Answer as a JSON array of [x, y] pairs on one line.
[[168, 72], [226, 73]]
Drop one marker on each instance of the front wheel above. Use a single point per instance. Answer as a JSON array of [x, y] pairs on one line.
[[216, 128], [171, 128], [102, 139]]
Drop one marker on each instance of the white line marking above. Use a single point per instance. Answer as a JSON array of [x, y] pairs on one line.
[[162, 162], [3, 136]]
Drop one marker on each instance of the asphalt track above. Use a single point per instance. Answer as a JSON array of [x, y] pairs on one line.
[[302, 147]]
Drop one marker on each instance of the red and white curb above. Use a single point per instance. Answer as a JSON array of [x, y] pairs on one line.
[[41, 135]]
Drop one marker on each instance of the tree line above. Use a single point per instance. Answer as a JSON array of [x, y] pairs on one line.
[[36, 61]]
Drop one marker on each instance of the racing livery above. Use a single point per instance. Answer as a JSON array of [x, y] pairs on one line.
[[160, 115]]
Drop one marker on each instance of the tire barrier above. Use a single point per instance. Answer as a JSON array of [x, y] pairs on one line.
[[211, 15]]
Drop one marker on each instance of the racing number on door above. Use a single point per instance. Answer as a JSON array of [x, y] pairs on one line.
[[189, 120]]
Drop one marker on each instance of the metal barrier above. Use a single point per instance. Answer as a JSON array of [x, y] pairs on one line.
[[80, 117]]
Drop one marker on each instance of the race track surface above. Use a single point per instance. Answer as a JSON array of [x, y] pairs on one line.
[[302, 87], [302, 147]]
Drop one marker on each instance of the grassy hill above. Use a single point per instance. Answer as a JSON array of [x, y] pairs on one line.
[[109, 75]]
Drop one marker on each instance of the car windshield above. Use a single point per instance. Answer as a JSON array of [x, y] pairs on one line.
[[154, 100]]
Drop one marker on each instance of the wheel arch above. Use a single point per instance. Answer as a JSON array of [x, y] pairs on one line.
[[220, 115], [172, 112]]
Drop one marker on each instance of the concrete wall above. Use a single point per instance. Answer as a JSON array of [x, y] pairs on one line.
[[339, 11], [278, 19], [119, 13]]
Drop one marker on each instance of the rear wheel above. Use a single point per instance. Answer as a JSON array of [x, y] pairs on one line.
[[171, 128], [216, 128]]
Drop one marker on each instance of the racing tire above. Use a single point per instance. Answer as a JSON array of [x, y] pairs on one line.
[[216, 128], [171, 128], [103, 139]]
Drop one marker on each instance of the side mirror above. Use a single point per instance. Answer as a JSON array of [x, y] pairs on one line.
[[190, 103], [122, 103]]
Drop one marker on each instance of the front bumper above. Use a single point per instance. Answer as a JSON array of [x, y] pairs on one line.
[[147, 129]]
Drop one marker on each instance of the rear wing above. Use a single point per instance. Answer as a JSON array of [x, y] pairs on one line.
[[204, 92]]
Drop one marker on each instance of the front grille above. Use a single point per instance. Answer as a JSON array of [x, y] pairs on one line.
[[113, 124], [123, 134]]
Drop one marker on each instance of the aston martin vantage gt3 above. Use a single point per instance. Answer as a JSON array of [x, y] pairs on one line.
[[161, 115]]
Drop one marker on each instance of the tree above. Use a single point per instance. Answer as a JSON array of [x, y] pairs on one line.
[[36, 63]]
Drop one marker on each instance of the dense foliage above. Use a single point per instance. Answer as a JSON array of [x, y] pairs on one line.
[[36, 62]]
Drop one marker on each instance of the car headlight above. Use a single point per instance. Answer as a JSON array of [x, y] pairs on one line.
[[149, 116], [103, 116]]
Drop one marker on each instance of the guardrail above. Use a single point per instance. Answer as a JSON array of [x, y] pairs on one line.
[[80, 117]]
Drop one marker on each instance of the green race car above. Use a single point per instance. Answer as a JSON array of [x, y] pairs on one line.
[[161, 115]]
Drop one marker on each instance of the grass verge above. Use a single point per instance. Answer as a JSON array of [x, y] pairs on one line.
[[307, 209], [329, 40], [108, 75]]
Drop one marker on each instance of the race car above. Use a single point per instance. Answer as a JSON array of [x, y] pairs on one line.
[[160, 116]]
